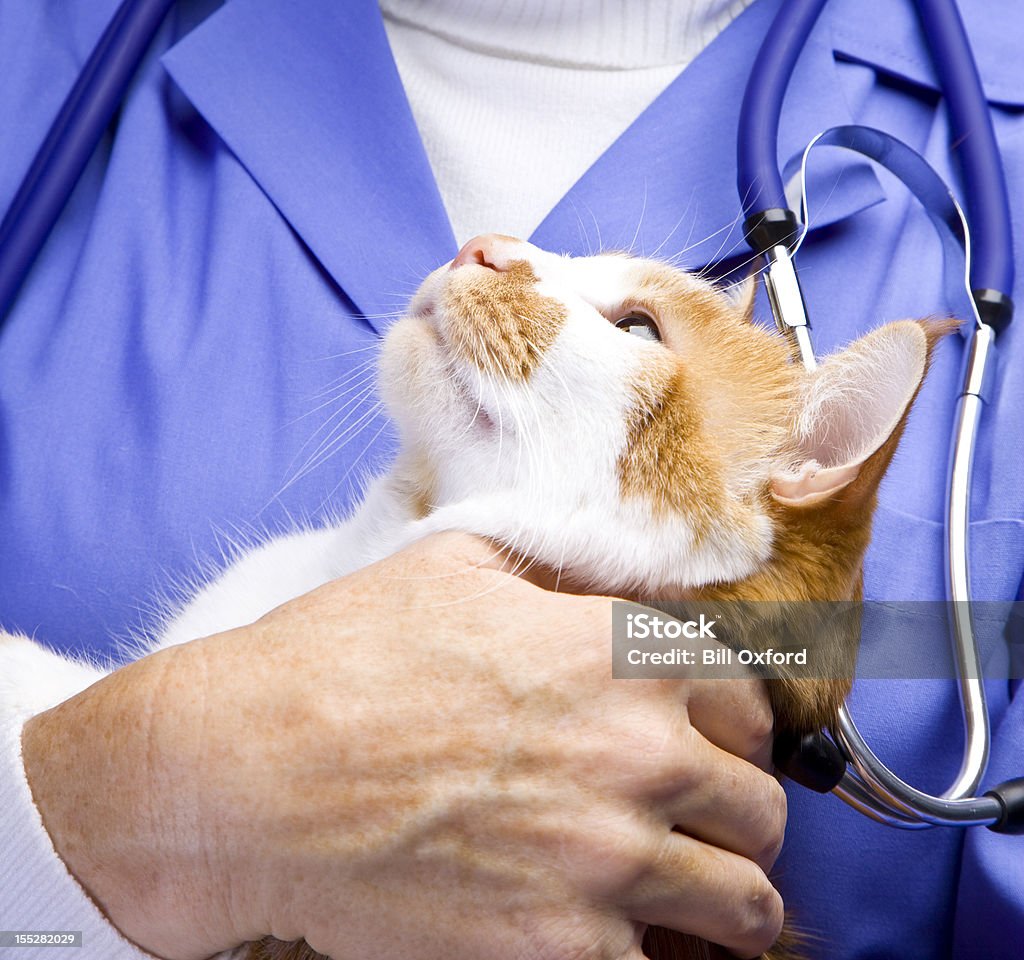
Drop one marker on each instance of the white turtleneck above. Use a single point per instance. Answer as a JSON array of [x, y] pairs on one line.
[[515, 99]]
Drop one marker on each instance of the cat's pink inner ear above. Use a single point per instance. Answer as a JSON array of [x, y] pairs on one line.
[[811, 483], [853, 403]]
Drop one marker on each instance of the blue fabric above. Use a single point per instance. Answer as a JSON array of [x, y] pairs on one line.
[[264, 204]]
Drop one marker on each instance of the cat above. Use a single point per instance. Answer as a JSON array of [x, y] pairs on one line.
[[626, 425]]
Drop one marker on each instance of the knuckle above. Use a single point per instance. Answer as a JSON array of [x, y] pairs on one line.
[[760, 722], [761, 917], [619, 857], [774, 814], [666, 757]]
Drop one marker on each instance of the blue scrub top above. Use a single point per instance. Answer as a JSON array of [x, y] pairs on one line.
[[186, 365]]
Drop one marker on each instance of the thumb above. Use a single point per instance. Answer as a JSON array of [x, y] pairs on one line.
[[462, 552]]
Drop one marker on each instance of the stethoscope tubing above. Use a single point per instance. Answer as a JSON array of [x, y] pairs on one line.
[[758, 177], [72, 138], [988, 200]]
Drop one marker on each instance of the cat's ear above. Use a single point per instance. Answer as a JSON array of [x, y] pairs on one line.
[[852, 414], [742, 295]]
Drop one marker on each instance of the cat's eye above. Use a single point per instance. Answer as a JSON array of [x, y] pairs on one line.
[[640, 325]]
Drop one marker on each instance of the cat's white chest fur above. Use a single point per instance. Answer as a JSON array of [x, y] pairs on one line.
[[272, 573]]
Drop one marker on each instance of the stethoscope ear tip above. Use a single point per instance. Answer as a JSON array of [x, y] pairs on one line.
[[812, 760]]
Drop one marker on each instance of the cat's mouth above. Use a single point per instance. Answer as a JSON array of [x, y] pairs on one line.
[[479, 417]]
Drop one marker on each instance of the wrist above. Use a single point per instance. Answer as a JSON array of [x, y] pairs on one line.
[[109, 771]]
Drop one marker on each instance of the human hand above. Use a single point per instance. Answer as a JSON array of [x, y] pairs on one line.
[[424, 759]]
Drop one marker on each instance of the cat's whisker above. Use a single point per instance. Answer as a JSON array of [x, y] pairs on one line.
[[657, 250], [582, 229], [723, 246], [522, 563], [503, 386], [355, 462], [352, 400], [396, 314], [333, 444], [726, 229], [597, 227], [353, 370], [521, 430], [561, 560], [328, 446], [479, 404], [345, 353], [639, 222], [498, 405], [339, 392], [546, 364], [717, 257]]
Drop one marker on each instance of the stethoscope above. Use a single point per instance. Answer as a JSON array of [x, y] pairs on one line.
[[979, 263], [840, 761]]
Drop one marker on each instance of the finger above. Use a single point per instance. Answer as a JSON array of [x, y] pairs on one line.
[[634, 953], [461, 550], [458, 553], [699, 889], [735, 715], [727, 802], [461, 564]]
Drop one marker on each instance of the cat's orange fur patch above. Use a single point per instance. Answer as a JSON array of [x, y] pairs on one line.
[[499, 322], [692, 444], [694, 448]]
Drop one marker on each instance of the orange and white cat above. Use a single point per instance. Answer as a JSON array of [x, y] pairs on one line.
[[625, 425]]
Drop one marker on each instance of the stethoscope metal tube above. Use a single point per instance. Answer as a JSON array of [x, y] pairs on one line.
[[969, 408], [787, 301], [772, 229], [899, 800]]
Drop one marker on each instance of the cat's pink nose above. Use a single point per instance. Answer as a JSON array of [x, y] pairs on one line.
[[490, 250]]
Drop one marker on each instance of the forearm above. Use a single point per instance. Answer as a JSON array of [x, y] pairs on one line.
[[37, 891]]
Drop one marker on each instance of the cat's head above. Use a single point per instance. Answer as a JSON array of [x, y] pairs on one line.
[[625, 422]]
